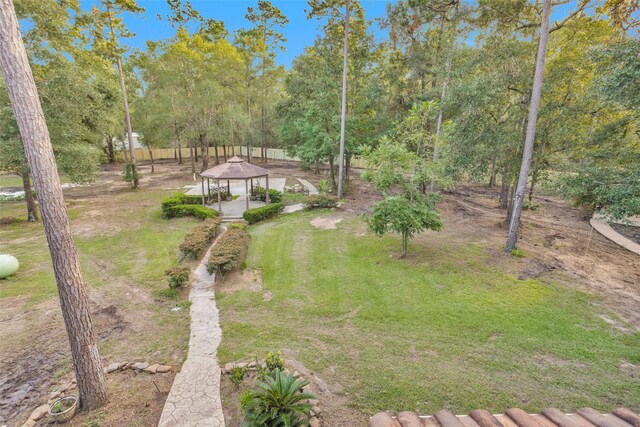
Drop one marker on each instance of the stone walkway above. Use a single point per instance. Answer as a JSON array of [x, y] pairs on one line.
[[607, 231], [194, 399]]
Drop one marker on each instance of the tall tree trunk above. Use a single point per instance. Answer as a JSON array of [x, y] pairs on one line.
[[179, 153], [66, 264], [125, 156], [332, 172], [343, 114], [224, 152], [534, 180], [504, 192], [204, 148], [175, 151], [191, 156], [492, 178], [153, 166], [215, 147], [195, 153], [110, 152], [536, 92], [249, 153], [32, 210], [443, 94], [127, 116]]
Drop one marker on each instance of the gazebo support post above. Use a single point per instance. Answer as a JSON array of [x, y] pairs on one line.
[[228, 188], [202, 179], [246, 189], [208, 190], [219, 199], [266, 193]]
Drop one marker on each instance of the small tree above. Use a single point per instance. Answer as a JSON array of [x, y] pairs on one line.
[[397, 174], [405, 216]]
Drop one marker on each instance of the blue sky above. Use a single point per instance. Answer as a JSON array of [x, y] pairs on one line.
[[299, 32]]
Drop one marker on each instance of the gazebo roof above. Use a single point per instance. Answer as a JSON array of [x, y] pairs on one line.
[[235, 168]]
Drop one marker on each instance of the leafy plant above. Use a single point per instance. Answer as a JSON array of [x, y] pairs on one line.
[[131, 173], [229, 252], [199, 211], [530, 206], [178, 276], [320, 201], [237, 375], [259, 193], [198, 240], [263, 212], [518, 253], [324, 186], [278, 401]]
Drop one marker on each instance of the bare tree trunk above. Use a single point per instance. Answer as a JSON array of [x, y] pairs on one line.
[[504, 193], [179, 153], [445, 82], [536, 92], [110, 153], [66, 265], [32, 210], [249, 153], [405, 238], [224, 152], [124, 150], [203, 153], [534, 180], [191, 156], [492, 178], [332, 172], [127, 116], [343, 115], [153, 168], [215, 147]]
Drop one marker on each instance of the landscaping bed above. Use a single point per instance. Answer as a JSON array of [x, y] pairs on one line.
[[631, 232]]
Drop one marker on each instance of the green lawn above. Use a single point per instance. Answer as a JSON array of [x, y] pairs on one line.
[[123, 256], [440, 329]]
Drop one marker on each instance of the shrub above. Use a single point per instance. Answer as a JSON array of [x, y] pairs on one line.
[[320, 201], [198, 240], [259, 193], [199, 211], [530, 206], [324, 186], [178, 276], [238, 224], [131, 173], [229, 252], [263, 212], [274, 362], [180, 199], [237, 375], [278, 401]]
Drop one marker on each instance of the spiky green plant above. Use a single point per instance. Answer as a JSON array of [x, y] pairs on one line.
[[278, 402]]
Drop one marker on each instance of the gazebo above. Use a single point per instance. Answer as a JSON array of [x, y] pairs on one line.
[[234, 169]]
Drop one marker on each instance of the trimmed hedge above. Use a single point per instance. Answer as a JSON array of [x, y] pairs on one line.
[[263, 212], [178, 276], [198, 240], [229, 251], [259, 193], [320, 201], [199, 211], [180, 199]]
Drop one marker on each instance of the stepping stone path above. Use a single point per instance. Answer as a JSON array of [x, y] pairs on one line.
[[194, 399]]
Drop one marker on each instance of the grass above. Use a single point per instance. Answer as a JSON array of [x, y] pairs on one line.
[[123, 257], [441, 329]]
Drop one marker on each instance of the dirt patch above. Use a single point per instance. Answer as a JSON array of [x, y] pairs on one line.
[[247, 280], [631, 232], [535, 269], [326, 222]]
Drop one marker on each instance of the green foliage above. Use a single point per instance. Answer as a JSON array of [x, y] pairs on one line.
[[320, 201], [180, 205], [259, 193], [324, 186], [229, 251], [198, 211], [237, 375], [178, 276], [131, 173], [530, 206], [405, 216], [263, 212], [278, 402], [198, 240], [238, 225], [518, 253], [168, 293], [612, 191]]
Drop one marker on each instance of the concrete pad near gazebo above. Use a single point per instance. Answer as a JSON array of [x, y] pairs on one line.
[[234, 169]]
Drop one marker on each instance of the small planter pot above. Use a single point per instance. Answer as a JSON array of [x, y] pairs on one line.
[[68, 405]]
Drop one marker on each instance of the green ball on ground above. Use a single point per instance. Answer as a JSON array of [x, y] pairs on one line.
[[8, 265]]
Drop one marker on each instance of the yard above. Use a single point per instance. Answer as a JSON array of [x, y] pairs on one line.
[[450, 327]]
